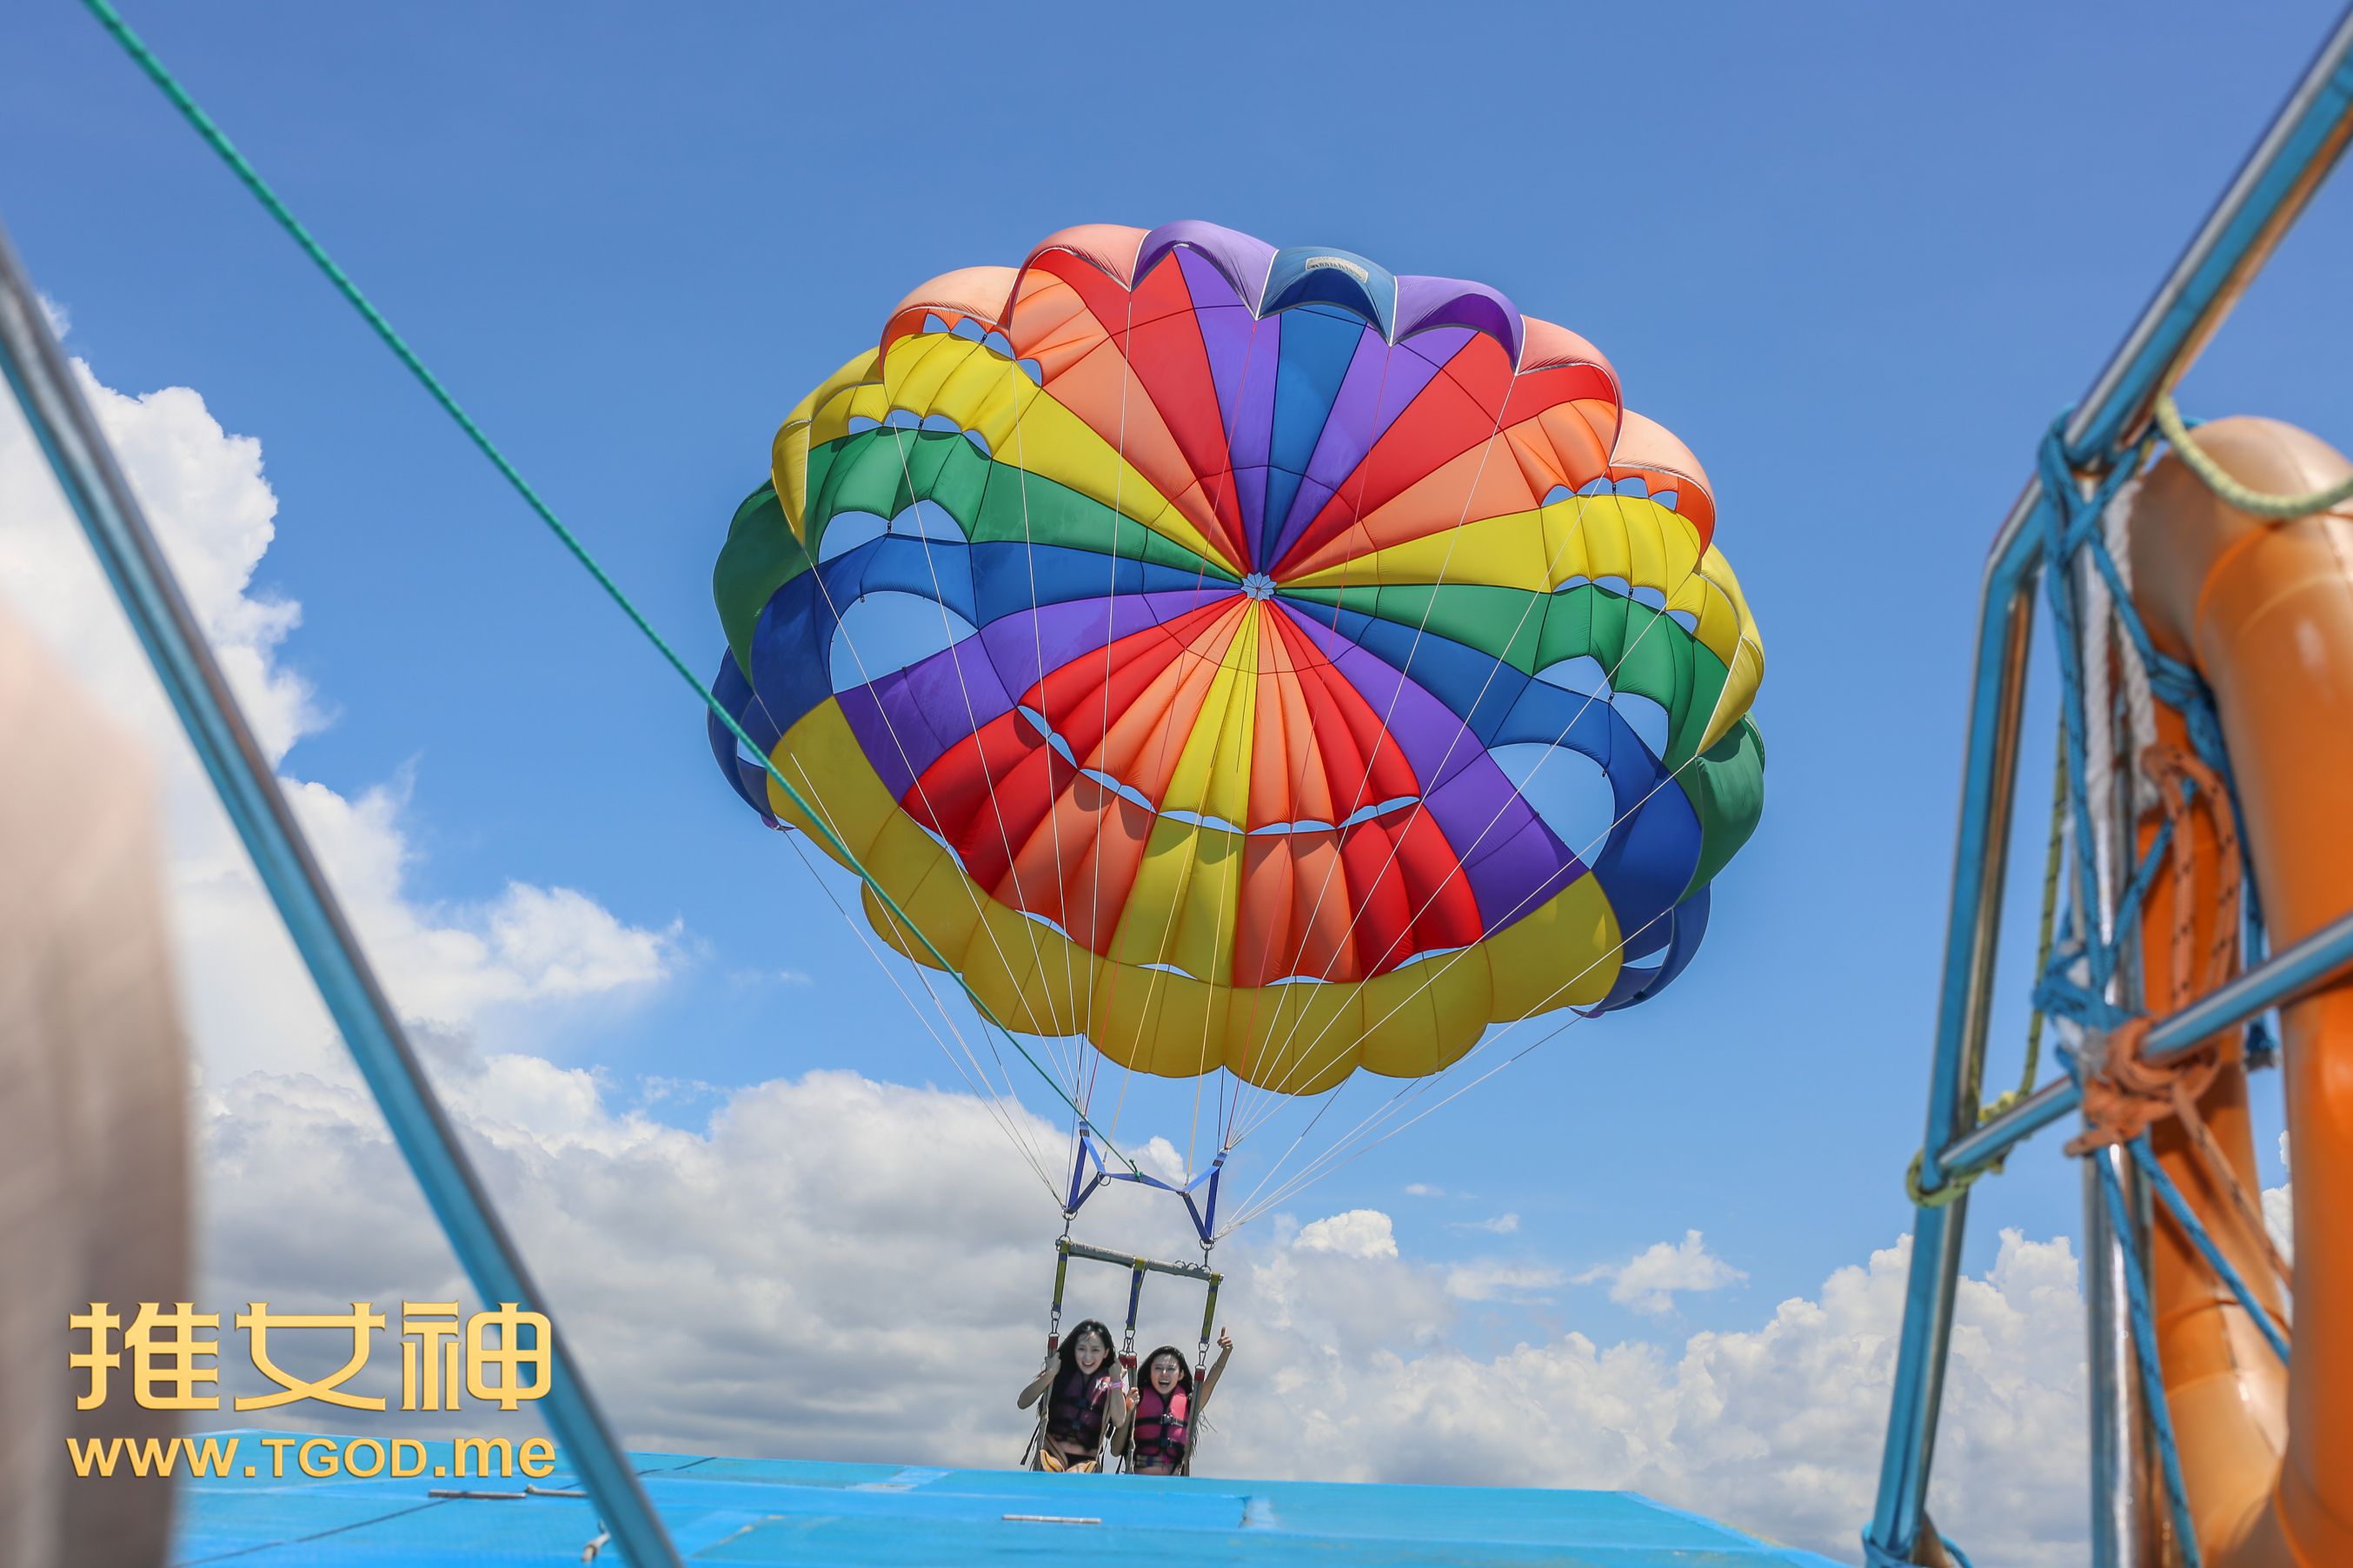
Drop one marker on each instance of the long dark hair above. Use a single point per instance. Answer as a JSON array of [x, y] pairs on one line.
[[1184, 1372], [1069, 1373]]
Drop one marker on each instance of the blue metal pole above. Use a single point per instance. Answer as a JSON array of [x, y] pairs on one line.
[[2278, 980], [2275, 983], [37, 373], [2270, 190], [2004, 636], [2262, 200], [1990, 1142]]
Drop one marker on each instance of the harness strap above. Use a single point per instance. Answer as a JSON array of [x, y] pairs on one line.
[[1134, 1302], [1208, 1322]]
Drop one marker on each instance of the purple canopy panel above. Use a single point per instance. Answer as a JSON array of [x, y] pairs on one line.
[[1427, 302], [1030, 644], [1243, 260]]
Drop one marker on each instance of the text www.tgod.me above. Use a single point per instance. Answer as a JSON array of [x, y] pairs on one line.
[[318, 1457]]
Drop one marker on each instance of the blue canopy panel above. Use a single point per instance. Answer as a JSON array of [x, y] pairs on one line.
[[757, 1511]]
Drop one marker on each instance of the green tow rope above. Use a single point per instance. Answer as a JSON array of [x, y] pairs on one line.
[[2254, 502], [219, 143]]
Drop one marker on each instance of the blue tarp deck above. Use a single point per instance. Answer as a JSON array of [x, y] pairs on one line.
[[757, 1512]]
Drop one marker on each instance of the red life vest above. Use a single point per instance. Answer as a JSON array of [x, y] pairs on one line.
[[1075, 1412], [1161, 1430]]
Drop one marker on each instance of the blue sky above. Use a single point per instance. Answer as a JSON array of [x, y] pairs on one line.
[[1855, 257]]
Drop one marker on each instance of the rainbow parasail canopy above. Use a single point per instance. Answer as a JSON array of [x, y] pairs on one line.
[[1247, 659]]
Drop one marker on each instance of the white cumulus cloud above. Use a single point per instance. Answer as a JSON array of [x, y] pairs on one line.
[[1648, 1281], [1501, 1225], [448, 966], [1501, 1282], [1359, 1233], [2279, 1208]]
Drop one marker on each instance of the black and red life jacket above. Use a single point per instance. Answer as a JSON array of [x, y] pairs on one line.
[[1163, 1428], [1075, 1414]]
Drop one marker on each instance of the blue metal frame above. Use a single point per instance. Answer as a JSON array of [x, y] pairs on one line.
[[2278, 981], [2270, 189], [1082, 1186], [93, 484]]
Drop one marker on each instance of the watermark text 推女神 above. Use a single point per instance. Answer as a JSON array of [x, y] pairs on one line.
[[166, 1356]]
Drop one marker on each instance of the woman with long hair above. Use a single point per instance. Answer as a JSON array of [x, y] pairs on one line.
[[1083, 1410], [1164, 1412]]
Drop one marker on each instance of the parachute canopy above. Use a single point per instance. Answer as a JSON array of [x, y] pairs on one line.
[[1248, 658]]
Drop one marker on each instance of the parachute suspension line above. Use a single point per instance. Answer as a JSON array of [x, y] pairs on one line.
[[1438, 968], [1001, 1098], [956, 661], [1174, 918], [867, 678], [251, 178], [1322, 1165], [859, 929], [1574, 528], [1610, 677], [1229, 1137], [1193, 1124], [1338, 1156], [1177, 898], [1337, 1153], [1119, 1103], [1230, 485], [1037, 648], [1330, 1097], [972, 891], [1396, 692], [1359, 1139], [2246, 498], [1226, 899], [1110, 627], [986, 1093]]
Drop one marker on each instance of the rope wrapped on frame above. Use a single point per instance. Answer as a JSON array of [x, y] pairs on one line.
[[2125, 1094]]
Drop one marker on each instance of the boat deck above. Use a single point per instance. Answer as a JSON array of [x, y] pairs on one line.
[[796, 1512]]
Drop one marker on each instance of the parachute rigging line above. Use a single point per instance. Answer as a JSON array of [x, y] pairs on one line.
[[983, 1090], [1432, 975], [1437, 967]]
